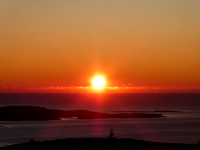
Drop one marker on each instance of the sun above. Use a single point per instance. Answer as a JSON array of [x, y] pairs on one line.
[[98, 82]]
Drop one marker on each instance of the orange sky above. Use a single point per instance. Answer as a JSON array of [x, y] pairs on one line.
[[145, 43]]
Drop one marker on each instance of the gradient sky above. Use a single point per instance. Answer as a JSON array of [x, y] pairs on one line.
[[132, 42]]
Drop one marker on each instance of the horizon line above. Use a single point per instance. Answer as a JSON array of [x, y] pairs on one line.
[[90, 89]]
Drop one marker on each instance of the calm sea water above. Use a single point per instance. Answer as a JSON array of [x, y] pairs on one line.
[[177, 127]]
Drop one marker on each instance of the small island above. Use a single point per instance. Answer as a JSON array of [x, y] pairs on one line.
[[31, 113]]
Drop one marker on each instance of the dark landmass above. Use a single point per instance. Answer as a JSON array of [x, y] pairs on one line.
[[166, 111], [100, 144], [131, 111], [30, 113], [139, 111]]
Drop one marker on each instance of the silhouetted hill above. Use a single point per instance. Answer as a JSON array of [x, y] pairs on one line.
[[17, 113], [100, 144]]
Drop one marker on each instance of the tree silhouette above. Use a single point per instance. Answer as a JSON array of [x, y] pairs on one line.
[[111, 135]]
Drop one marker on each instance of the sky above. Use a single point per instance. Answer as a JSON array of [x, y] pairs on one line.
[[137, 44]]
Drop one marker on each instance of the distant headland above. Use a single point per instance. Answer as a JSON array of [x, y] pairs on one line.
[[33, 113]]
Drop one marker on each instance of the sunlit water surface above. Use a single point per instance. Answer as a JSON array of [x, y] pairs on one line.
[[176, 127]]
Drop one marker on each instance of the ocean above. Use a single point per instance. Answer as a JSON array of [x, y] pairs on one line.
[[181, 123]]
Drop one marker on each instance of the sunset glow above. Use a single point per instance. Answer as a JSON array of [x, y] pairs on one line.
[[137, 43]]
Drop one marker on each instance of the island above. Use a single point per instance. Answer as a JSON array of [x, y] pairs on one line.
[[31, 113]]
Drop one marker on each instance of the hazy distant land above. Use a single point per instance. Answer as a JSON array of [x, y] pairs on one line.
[[138, 111], [30, 113]]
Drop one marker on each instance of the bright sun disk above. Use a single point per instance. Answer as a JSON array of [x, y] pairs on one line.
[[98, 82]]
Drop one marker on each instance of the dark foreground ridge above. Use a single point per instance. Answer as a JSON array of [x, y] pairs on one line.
[[28, 113], [100, 144]]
